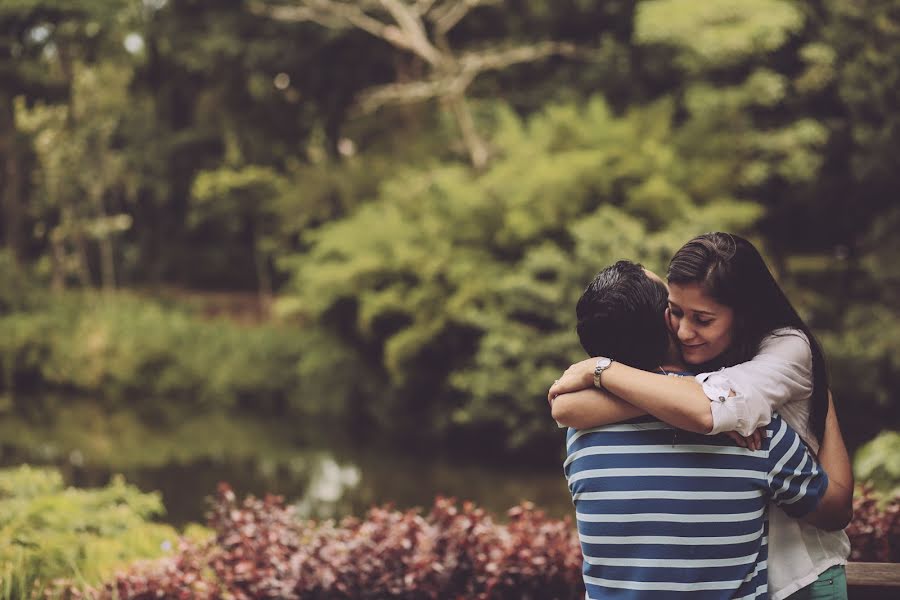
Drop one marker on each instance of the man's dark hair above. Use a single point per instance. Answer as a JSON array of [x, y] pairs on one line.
[[621, 315]]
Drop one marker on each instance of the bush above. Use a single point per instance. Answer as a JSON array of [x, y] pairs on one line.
[[262, 551], [49, 532], [878, 463], [119, 348], [875, 530]]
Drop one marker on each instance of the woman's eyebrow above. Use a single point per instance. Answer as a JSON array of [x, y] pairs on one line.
[[703, 312]]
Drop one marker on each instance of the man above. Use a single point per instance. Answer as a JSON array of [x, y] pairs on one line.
[[664, 513]]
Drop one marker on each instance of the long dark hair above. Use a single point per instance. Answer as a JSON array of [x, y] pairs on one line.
[[732, 271]]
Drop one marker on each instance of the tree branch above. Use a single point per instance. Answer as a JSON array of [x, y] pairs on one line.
[[334, 15], [487, 60], [411, 93], [411, 24], [446, 16]]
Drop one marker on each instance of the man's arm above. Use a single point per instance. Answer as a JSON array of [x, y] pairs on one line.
[[592, 408], [835, 511]]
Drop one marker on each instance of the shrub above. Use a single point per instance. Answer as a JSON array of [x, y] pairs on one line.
[[878, 463], [262, 551], [875, 530], [119, 348], [49, 532]]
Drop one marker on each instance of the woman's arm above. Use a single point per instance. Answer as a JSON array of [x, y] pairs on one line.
[[679, 401], [591, 408], [739, 398], [836, 507]]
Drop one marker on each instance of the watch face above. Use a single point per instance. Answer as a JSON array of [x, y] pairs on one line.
[[603, 363]]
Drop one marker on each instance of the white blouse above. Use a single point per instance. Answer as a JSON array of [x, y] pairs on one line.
[[778, 378]]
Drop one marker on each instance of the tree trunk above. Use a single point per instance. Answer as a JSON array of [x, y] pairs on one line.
[[477, 148], [11, 209], [104, 239], [263, 276], [58, 259]]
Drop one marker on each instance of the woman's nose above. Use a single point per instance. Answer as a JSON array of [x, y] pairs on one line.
[[685, 333]]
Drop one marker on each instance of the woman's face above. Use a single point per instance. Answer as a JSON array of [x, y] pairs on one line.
[[702, 326]]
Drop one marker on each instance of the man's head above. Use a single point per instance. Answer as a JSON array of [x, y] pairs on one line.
[[621, 315]]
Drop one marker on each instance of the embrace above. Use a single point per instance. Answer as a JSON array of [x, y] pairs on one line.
[[704, 456]]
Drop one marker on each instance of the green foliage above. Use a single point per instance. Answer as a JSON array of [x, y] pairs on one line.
[[717, 34], [465, 286], [216, 153], [878, 463], [16, 287], [48, 531], [119, 348]]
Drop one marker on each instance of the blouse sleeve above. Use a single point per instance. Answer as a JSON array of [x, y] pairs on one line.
[[744, 396]]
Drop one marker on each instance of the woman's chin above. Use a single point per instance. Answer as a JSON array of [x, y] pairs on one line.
[[695, 358]]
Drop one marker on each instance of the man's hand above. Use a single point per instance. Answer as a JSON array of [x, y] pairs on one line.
[[579, 376]]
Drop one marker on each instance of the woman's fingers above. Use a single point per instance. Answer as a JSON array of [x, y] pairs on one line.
[[572, 380], [751, 442], [756, 438], [738, 438]]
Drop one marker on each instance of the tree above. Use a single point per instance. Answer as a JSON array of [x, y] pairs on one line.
[[81, 170], [457, 293], [42, 37], [421, 29]]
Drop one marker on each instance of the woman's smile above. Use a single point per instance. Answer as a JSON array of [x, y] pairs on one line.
[[702, 326]]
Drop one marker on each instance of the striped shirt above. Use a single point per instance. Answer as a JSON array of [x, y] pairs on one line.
[[664, 513]]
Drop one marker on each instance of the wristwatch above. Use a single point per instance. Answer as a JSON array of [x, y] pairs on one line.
[[603, 364]]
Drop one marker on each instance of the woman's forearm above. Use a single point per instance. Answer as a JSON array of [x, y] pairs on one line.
[[679, 401], [592, 408]]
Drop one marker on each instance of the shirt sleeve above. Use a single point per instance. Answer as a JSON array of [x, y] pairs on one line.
[[796, 481], [744, 396]]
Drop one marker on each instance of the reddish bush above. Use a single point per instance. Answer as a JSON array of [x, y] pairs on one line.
[[262, 551], [875, 531]]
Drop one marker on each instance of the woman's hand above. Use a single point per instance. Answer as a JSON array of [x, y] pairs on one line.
[[579, 376], [751, 442]]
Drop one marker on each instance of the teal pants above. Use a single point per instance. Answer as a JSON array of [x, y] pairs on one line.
[[831, 585]]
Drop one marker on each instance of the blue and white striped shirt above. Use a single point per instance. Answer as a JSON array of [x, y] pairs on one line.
[[664, 513]]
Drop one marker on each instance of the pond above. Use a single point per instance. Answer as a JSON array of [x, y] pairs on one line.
[[321, 472]]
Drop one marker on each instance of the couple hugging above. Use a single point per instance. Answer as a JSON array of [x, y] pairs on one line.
[[704, 455]]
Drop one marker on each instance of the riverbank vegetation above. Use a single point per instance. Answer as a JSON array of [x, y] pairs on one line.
[[260, 548]]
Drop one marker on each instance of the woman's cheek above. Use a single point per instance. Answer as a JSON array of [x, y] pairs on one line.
[[671, 322]]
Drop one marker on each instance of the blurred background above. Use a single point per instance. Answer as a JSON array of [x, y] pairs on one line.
[[332, 249]]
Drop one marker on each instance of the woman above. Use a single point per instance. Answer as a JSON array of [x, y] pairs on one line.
[[725, 309]]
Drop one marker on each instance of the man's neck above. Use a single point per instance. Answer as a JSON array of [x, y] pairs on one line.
[[673, 360]]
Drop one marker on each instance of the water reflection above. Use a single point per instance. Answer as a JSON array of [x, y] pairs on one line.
[[329, 483], [185, 461]]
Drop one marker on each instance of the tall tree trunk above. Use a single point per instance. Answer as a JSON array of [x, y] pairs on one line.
[[70, 219], [11, 209], [107, 263], [58, 260], [104, 240], [263, 276], [477, 148]]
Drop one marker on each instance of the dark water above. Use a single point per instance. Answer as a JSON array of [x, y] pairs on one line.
[[322, 473]]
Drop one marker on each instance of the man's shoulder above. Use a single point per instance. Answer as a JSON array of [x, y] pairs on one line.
[[676, 370], [646, 423]]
